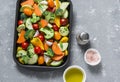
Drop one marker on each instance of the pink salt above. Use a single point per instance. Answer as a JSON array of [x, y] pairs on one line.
[[92, 57]]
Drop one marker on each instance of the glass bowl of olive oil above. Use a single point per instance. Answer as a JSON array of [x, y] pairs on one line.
[[74, 74]]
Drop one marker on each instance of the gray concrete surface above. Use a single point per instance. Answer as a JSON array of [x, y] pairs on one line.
[[100, 18]]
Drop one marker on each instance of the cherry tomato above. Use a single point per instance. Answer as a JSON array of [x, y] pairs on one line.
[[41, 37], [55, 27], [63, 21], [24, 45], [37, 50], [51, 9], [35, 26], [42, 53], [20, 22]]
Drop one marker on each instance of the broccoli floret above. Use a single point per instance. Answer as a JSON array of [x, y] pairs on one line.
[[30, 50], [20, 27], [49, 15], [29, 34], [34, 18], [23, 17], [21, 53], [59, 12], [49, 52]]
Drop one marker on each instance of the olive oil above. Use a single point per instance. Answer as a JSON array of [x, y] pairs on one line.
[[74, 75]]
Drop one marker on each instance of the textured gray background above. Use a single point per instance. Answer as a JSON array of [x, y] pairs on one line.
[[100, 18]]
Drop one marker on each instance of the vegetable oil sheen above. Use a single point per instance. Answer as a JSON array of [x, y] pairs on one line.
[[74, 75]]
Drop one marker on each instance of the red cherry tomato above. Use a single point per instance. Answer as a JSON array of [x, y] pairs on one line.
[[51, 9], [35, 26], [20, 22], [42, 53], [41, 37], [24, 45], [55, 27], [63, 21], [37, 50]]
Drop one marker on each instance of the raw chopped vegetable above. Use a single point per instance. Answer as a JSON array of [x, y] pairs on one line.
[[37, 10], [64, 39], [41, 60], [33, 59], [57, 21], [57, 4], [37, 42], [56, 63], [43, 7], [56, 49], [21, 53], [21, 38], [57, 35], [28, 11], [64, 31], [51, 3], [46, 46], [47, 60], [29, 24], [43, 23], [59, 12], [49, 52], [49, 43], [43, 29], [65, 14], [23, 17], [25, 59], [64, 5], [37, 1], [49, 15], [57, 57], [21, 27], [34, 18], [49, 33], [27, 2], [66, 52], [63, 46], [29, 34], [26, 6]]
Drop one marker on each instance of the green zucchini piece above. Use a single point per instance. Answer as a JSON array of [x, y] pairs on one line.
[[56, 63], [33, 59], [64, 31], [29, 24], [63, 47], [64, 5], [65, 15]]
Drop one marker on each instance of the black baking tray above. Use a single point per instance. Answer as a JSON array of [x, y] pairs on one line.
[[38, 67]]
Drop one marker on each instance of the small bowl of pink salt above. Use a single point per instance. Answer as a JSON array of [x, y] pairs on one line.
[[92, 57]]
